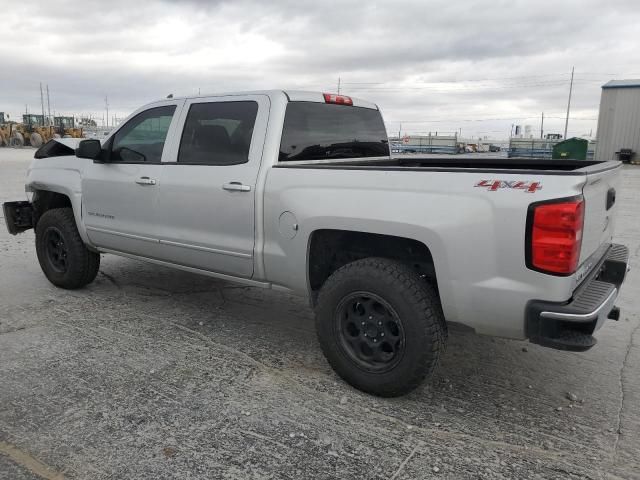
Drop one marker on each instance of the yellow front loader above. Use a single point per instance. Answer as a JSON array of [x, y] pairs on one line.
[[66, 127]]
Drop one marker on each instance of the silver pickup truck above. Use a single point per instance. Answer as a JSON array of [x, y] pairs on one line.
[[297, 191]]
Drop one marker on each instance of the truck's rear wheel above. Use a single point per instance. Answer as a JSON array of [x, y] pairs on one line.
[[63, 257], [380, 326]]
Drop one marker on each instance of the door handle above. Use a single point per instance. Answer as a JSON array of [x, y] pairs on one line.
[[145, 181], [236, 187]]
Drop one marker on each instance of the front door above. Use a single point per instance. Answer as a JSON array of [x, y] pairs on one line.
[[120, 196], [207, 191]]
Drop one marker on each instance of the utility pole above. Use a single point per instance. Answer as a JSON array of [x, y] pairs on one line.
[[49, 106], [542, 126], [106, 105], [42, 103], [566, 122], [338, 85]]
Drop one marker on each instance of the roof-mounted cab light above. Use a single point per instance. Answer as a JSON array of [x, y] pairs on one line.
[[337, 99]]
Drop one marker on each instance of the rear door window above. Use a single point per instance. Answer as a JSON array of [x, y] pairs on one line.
[[218, 133], [323, 131]]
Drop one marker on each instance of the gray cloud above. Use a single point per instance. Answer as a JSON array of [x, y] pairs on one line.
[[448, 64]]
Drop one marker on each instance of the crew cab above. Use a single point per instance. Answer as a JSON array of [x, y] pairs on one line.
[[297, 191]]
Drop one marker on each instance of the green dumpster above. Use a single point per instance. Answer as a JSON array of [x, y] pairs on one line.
[[571, 148]]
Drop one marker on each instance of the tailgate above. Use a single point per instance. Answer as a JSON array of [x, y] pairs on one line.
[[599, 193]]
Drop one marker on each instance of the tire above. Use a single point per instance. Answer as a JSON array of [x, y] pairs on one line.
[[16, 140], [36, 140], [349, 319], [63, 256]]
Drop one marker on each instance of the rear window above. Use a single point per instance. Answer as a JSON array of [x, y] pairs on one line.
[[218, 133], [321, 131]]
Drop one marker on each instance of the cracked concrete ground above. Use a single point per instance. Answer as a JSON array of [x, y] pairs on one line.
[[150, 373]]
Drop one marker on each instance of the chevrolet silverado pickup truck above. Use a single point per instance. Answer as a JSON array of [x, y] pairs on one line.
[[297, 191]]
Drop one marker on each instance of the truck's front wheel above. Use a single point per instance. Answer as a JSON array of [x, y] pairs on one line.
[[380, 326], [63, 257]]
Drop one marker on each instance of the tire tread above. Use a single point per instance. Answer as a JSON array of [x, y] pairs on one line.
[[423, 300], [85, 263]]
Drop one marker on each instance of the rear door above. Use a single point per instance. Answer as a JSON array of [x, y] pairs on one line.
[[208, 187], [119, 197]]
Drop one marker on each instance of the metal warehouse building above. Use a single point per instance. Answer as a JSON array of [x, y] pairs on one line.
[[619, 119]]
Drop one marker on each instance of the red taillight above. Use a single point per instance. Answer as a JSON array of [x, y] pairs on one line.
[[556, 236], [337, 99]]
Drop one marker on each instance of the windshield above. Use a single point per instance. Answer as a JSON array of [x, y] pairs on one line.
[[317, 131]]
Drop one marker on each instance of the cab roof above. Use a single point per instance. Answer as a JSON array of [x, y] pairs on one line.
[[290, 95]]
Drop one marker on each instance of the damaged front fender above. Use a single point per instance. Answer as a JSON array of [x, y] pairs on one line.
[[58, 147]]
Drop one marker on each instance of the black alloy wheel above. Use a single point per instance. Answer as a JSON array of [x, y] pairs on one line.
[[370, 331], [56, 249]]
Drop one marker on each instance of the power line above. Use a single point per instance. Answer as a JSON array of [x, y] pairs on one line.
[[463, 88], [470, 80]]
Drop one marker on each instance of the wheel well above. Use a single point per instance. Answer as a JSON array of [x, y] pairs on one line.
[[44, 200], [331, 249]]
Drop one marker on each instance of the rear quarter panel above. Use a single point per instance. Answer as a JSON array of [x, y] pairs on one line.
[[476, 236]]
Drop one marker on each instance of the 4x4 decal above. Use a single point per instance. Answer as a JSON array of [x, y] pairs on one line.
[[495, 185]]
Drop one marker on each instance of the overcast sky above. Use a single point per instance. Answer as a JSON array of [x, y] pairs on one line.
[[432, 65]]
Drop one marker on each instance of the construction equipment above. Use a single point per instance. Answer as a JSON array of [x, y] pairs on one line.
[[4, 131], [16, 135], [30, 132], [9, 134], [34, 131], [66, 127], [4, 135]]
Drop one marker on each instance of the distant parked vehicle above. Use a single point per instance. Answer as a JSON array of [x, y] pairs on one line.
[[494, 148]]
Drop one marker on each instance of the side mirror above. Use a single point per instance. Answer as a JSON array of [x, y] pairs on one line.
[[90, 148]]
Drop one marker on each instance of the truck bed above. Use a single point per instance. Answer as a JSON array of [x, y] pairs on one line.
[[480, 164]]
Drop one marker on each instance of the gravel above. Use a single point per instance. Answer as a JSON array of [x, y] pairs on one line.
[[77, 394]]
